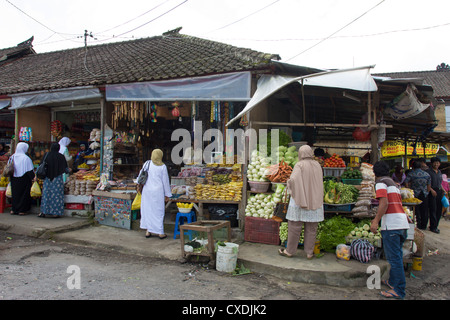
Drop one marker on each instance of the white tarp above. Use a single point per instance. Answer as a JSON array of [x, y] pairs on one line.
[[31, 99], [222, 87], [358, 79], [4, 104]]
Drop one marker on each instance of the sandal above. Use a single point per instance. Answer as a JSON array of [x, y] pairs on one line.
[[283, 252], [163, 236], [148, 235], [386, 283], [390, 294], [41, 215]]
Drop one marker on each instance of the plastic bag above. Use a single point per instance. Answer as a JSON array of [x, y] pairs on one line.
[[35, 191], [343, 252], [136, 205], [445, 202], [8, 192]]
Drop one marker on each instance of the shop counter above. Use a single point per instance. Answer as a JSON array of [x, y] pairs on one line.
[[113, 208]]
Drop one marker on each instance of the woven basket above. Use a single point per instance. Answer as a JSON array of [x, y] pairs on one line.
[[419, 239], [257, 186]]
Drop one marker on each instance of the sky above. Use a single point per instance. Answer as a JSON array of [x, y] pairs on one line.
[[392, 35]]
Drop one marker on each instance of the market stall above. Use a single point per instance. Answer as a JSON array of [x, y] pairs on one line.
[[333, 107]]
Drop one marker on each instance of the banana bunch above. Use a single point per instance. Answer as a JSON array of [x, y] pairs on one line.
[[4, 182], [185, 205]]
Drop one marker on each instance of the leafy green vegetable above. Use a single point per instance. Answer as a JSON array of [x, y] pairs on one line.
[[333, 232]]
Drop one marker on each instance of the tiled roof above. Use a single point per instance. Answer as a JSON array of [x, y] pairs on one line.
[[8, 55], [439, 80], [169, 56]]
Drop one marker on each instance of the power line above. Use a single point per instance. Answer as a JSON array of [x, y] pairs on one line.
[[142, 25], [338, 37], [324, 39], [239, 20], [48, 28], [131, 20]]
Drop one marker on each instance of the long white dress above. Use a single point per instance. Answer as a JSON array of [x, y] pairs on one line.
[[152, 202]]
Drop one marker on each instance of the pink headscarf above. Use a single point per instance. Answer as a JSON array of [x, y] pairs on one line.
[[445, 183]]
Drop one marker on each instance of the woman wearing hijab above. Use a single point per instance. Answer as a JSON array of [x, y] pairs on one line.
[[399, 176], [22, 180], [154, 192], [53, 193], [306, 205], [63, 143]]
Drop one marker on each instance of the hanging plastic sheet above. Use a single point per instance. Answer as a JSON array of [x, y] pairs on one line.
[[223, 87], [406, 105], [23, 100], [358, 79], [4, 104]]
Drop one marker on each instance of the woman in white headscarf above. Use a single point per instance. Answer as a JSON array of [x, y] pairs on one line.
[[154, 192], [306, 205], [22, 180], [63, 143]]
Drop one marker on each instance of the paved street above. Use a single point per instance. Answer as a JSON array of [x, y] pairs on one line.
[[33, 268]]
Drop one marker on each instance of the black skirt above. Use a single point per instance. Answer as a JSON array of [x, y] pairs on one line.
[[20, 189]]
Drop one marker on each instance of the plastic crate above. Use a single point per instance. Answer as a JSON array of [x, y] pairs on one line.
[[262, 230], [333, 172], [352, 181], [75, 206], [343, 207]]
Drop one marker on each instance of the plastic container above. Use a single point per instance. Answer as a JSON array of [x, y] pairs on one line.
[[333, 172], [417, 263], [184, 210], [262, 230], [338, 207], [259, 186], [226, 257], [352, 181]]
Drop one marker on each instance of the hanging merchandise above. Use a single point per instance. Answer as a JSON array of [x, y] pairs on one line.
[[25, 134], [175, 111], [212, 111], [56, 127], [153, 113], [244, 121]]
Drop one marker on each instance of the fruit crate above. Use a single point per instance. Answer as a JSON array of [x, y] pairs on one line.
[[262, 230], [339, 207], [333, 172], [352, 181]]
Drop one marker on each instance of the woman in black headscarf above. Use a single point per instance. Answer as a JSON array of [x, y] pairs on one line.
[[53, 193]]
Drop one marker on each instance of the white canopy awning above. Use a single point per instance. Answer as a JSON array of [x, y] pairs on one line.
[[358, 79]]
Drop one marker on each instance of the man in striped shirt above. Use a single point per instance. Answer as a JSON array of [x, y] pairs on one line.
[[394, 226]]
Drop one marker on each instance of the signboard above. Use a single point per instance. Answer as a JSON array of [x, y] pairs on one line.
[[397, 149]]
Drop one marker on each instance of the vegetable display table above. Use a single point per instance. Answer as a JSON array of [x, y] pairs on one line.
[[207, 227]]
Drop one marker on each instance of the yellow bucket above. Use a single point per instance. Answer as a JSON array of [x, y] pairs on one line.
[[417, 263], [317, 247]]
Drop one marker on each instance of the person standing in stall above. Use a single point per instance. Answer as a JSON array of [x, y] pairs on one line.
[[435, 195], [63, 144], [420, 182], [306, 204], [22, 180], [53, 190], [154, 193]]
